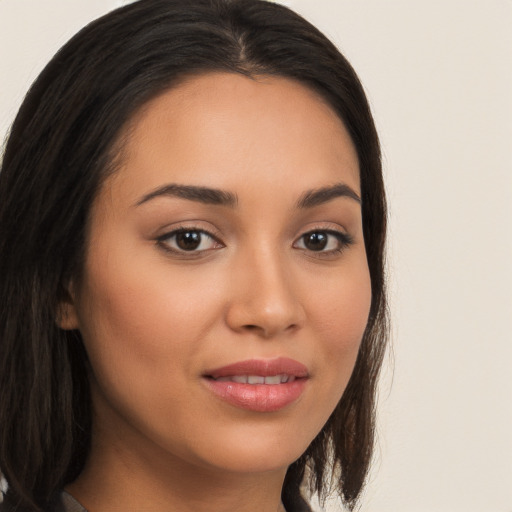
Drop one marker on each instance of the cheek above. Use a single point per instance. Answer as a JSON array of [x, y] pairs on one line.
[[144, 330], [141, 319], [343, 301], [341, 316]]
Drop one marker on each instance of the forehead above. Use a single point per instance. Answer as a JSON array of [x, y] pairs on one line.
[[225, 130]]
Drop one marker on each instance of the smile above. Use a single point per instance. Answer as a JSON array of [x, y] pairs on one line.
[[258, 379], [259, 385]]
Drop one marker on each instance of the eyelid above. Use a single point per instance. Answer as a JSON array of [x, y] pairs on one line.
[[182, 228], [343, 237]]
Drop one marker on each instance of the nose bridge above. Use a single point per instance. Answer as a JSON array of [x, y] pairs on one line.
[[265, 299]]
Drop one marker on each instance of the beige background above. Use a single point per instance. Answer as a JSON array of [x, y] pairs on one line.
[[439, 77]]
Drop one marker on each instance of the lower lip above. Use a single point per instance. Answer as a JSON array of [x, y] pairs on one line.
[[258, 397]]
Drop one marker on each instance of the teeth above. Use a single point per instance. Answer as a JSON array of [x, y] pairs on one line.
[[258, 379], [255, 379]]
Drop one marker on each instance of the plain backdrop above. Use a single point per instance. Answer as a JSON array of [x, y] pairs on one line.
[[439, 78]]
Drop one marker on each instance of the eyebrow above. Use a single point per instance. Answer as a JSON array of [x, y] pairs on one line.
[[214, 196], [204, 195], [319, 196]]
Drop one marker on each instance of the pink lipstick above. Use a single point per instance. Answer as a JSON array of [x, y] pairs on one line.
[[260, 385]]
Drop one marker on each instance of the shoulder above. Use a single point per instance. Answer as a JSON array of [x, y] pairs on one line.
[[64, 502]]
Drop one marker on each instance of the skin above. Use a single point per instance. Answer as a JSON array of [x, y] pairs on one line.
[[154, 318]]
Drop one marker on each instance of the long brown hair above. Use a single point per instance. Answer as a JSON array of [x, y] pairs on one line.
[[62, 145]]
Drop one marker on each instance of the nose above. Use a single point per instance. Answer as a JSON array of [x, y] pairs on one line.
[[264, 299]]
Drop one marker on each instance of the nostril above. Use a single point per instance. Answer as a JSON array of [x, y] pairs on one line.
[[267, 331]]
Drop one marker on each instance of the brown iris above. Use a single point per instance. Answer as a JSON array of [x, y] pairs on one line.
[[188, 240], [315, 241]]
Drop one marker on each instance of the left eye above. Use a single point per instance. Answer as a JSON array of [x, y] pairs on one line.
[[323, 241], [188, 240]]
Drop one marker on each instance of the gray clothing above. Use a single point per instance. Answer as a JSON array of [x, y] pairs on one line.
[[66, 503]]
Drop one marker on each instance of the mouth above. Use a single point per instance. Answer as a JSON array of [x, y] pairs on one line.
[[257, 379], [259, 385]]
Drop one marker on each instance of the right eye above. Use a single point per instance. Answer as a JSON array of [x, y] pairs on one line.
[[188, 240]]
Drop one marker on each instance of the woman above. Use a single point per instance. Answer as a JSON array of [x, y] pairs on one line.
[[193, 309]]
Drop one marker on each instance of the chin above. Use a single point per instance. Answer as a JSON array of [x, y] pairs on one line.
[[254, 459], [256, 448]]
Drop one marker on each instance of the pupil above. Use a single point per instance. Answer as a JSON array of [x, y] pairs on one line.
[[316, 241], [188, 240]]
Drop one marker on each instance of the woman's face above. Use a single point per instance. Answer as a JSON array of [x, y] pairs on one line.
[[226, 287]]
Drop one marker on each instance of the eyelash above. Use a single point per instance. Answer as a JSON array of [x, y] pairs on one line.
[[163, 241], [344, 240]]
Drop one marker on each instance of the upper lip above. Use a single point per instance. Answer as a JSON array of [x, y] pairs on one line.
[[263, 367]]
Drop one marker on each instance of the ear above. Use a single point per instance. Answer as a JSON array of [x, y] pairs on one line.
[[66, 316]]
